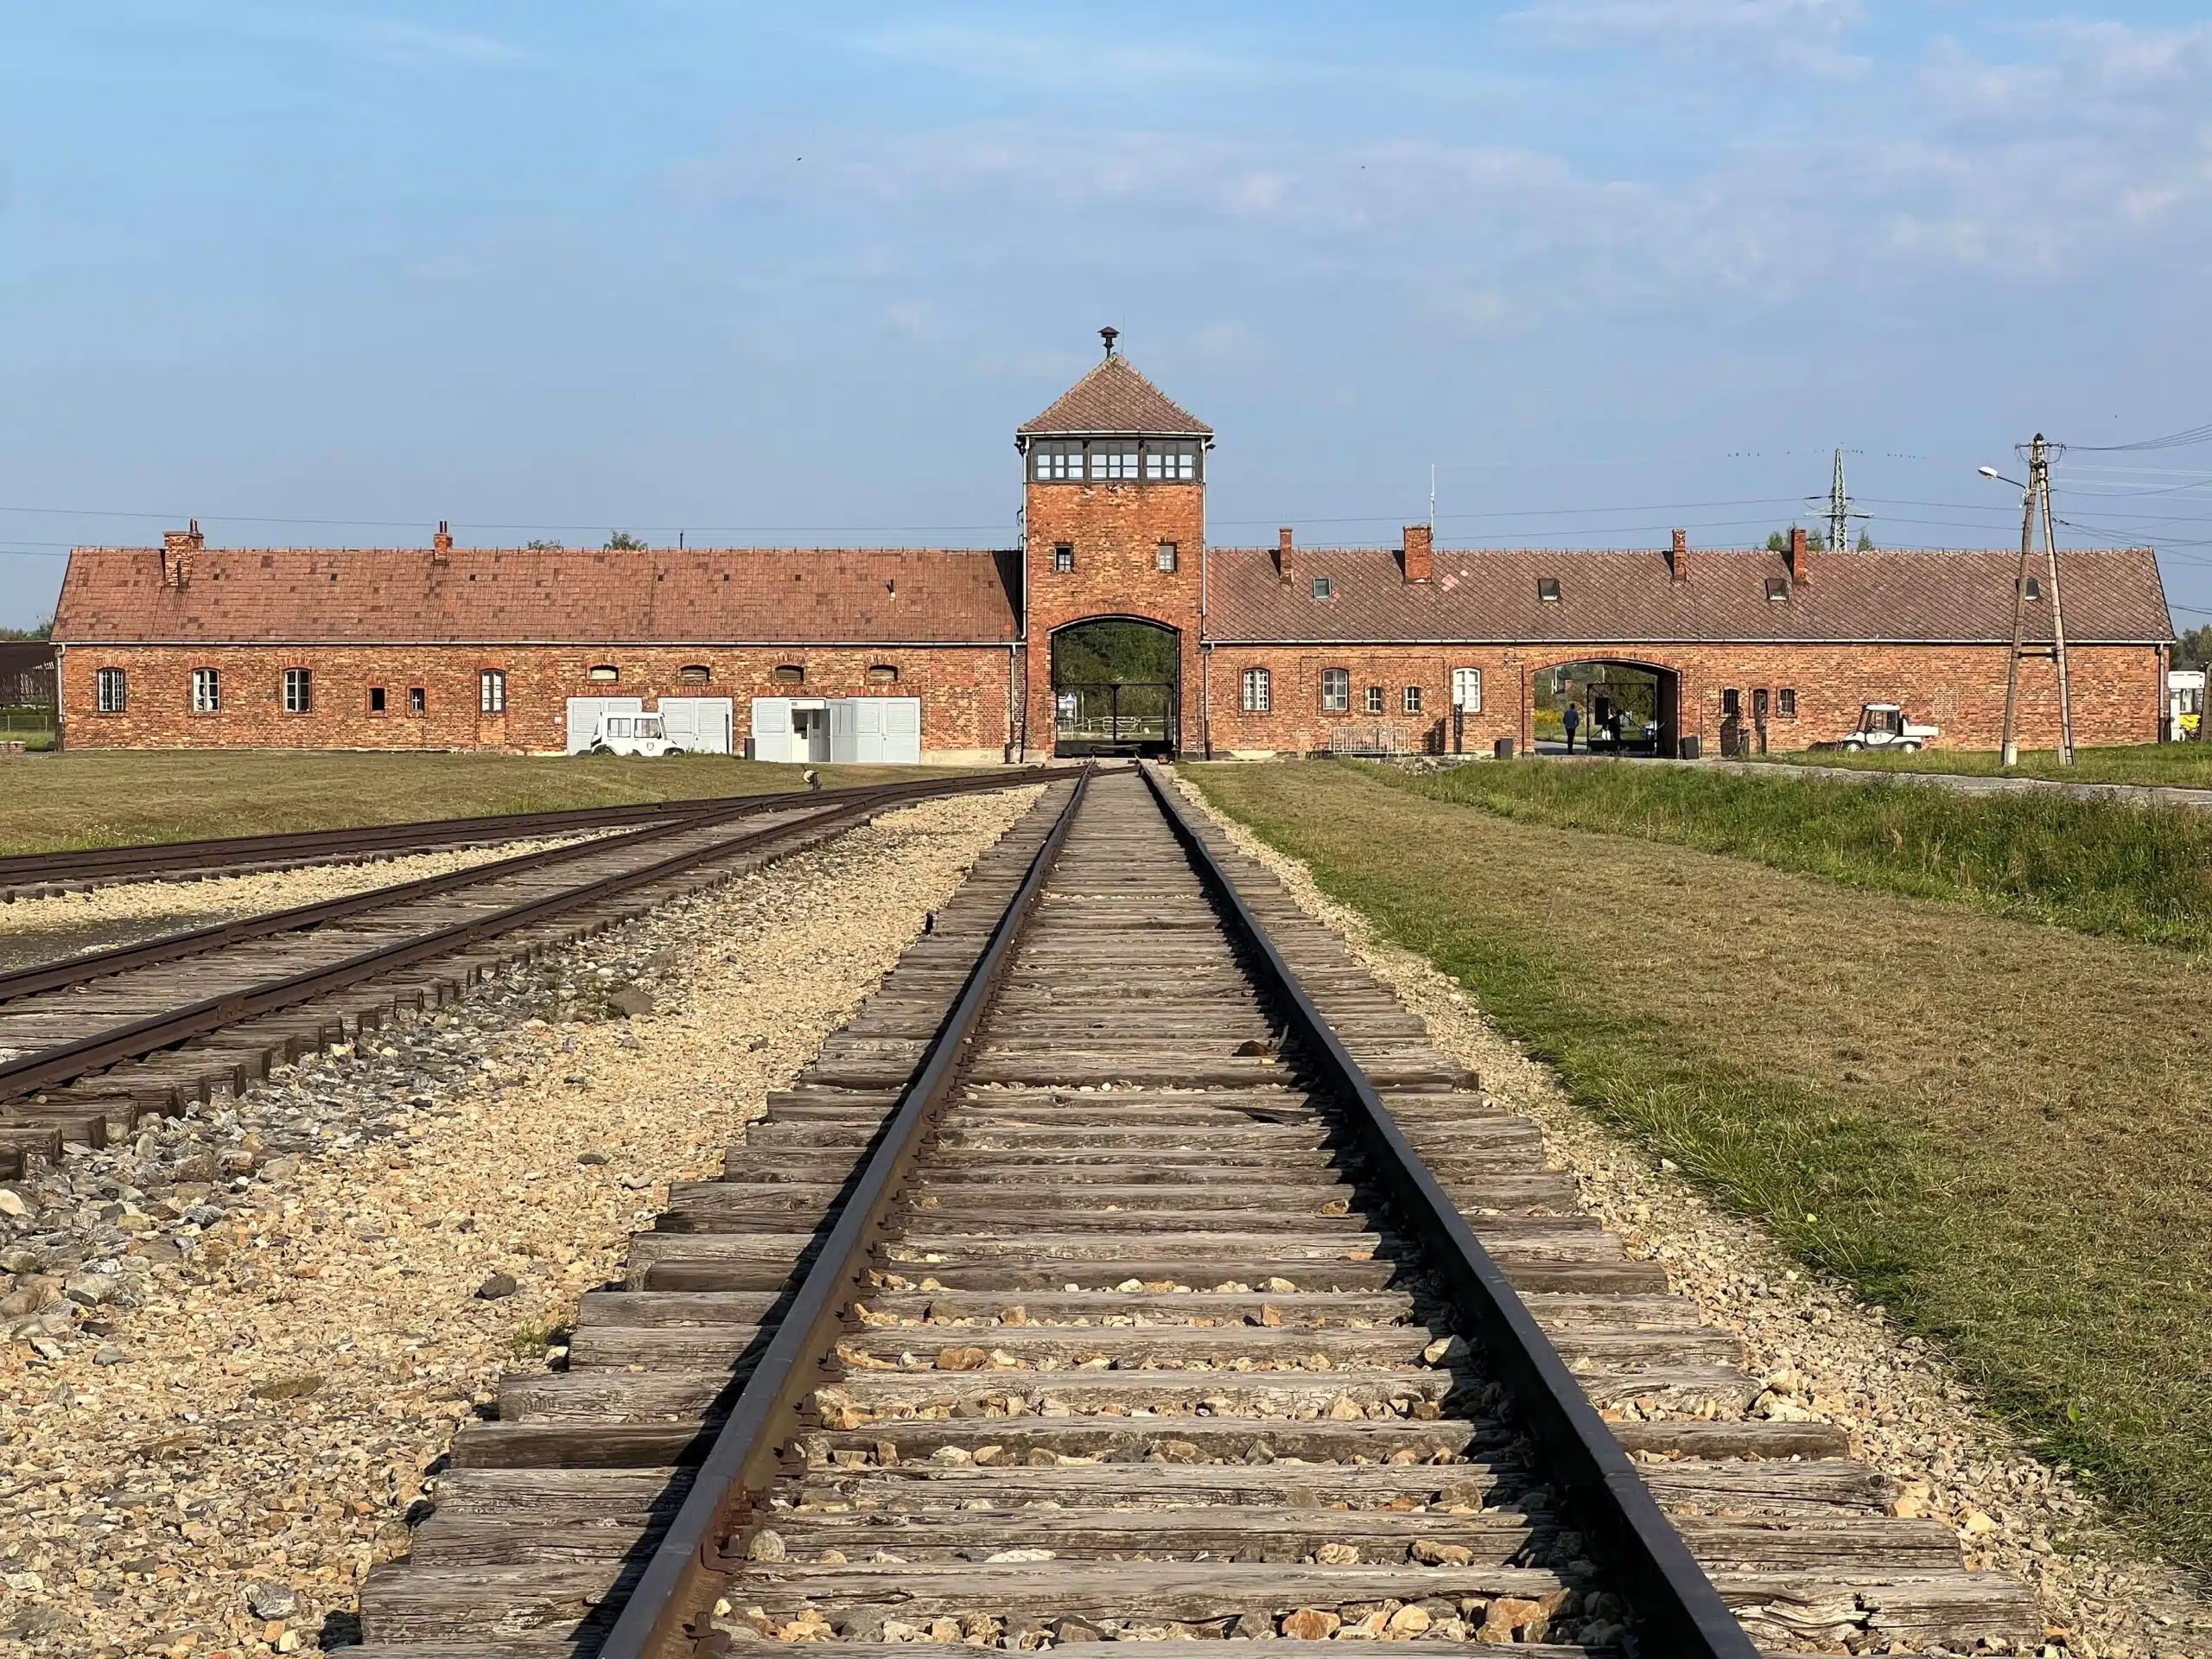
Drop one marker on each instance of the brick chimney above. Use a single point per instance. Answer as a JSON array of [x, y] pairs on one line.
[[1801, 562], [1419, 559], [1284, 569], [442, 542], [177, 547], [1678, 557]]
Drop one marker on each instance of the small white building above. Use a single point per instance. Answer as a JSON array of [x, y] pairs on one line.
[[2184, 701], [865, 731]]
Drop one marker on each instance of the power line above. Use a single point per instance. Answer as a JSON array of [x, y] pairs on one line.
[[2195, 434]]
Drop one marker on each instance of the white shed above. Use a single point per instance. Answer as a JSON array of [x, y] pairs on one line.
[[883, 731], [699, 725]]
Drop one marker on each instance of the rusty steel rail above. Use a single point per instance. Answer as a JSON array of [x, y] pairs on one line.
[[689, 1557], [50, 1067], [174, 947], [150, 860], [1682, 1613]]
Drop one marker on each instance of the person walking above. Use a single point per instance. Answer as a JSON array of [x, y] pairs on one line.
[[1570, 717]]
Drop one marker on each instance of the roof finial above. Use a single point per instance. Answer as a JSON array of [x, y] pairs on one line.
[[1110, 335]]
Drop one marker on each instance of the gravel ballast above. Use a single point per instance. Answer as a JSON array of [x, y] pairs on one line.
[[60, 925], [240, 1341], [1906, 1412]]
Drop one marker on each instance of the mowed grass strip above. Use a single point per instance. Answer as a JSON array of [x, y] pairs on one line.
[[2102, 867], [1998, 1130], [2179, 765], [57, 802]]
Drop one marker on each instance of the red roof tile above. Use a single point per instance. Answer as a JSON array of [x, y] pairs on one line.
[[1115, 398], [1626, 597], [778, 596]]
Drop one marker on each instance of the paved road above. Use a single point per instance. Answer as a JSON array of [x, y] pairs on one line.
[[1975, 784]]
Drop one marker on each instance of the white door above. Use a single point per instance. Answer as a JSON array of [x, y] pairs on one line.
[[810, 740], [844, 730], [698, 725], [772, 728], [586, 713]]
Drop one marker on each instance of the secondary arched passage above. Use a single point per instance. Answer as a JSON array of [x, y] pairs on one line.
[[1620, 707], [1117, 687]]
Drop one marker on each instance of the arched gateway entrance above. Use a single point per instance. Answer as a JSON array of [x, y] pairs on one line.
[[1622, 707], [1117, 687]]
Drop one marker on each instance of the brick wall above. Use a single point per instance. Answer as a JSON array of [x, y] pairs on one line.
[[1958, 688], [964, 692], [1115, 531]]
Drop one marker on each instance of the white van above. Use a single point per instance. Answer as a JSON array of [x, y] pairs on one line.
[[630, 734], [623, 725]]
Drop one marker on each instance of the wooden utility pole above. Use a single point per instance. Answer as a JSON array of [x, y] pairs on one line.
[[2035, 505]]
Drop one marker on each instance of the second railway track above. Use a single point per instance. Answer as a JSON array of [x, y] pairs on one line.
[[1132, 1267], [90, 1044]]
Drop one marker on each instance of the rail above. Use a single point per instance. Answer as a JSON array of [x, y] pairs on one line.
[[49, 1067], [1683, 1613], [689, 1554]]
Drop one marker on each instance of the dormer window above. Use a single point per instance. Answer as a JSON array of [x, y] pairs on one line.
[[1324, 588], [1548, 589], [2034, 587], [1778, 588]]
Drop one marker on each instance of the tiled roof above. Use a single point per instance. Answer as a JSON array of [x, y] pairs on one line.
[[779, 595], [1115, 398], [1627, 597]]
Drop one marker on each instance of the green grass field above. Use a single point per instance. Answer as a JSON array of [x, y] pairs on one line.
[[51, 801], [1997, 1129], [2098, 866], [2182, 766]]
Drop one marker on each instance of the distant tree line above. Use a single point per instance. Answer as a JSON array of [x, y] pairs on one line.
[[2193, 649], [1815, 542], [43, 631]]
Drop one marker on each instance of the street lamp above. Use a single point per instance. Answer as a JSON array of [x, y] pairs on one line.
[[1990, 472]]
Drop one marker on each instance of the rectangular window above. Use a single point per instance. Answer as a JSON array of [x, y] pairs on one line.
[[1165, 558], [1324, 588], [376, 699], [1778, 588], [1732, 704], [2035, 587], [299, 691], [1257, 697], [1548, 589], [1170, 463], [1115, 463], [1413, 699], [1787, 699], [418, 701], [491, 691], [207, 691], [114, 695], [1336, 691], [1378, 699], [1063, 558], [1467, 689]]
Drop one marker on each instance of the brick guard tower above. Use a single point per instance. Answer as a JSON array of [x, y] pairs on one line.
[[1115, 520]]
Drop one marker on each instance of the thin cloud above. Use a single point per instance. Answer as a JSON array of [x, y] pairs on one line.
[[1806, 33]]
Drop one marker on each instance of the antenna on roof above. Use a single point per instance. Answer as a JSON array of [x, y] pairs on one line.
[[1110, 335]]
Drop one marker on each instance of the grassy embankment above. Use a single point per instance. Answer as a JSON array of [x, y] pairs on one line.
[[58, 801], [2092, 864], [2182, 765], [1994, 1128]]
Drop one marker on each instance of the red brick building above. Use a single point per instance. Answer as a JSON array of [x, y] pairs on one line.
[[1250, 651]]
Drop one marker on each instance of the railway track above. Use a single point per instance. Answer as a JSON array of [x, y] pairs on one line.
[[32, 876], [1131, 1267], [90, 1044]]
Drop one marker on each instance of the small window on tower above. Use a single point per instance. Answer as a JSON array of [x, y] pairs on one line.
[[1064, 558], [1166, 557]]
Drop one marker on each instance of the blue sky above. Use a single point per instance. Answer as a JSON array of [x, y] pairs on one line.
[[761, 272]]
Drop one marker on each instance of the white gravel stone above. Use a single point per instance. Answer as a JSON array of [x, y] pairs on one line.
[[1908, 1413], [288, 1345]]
